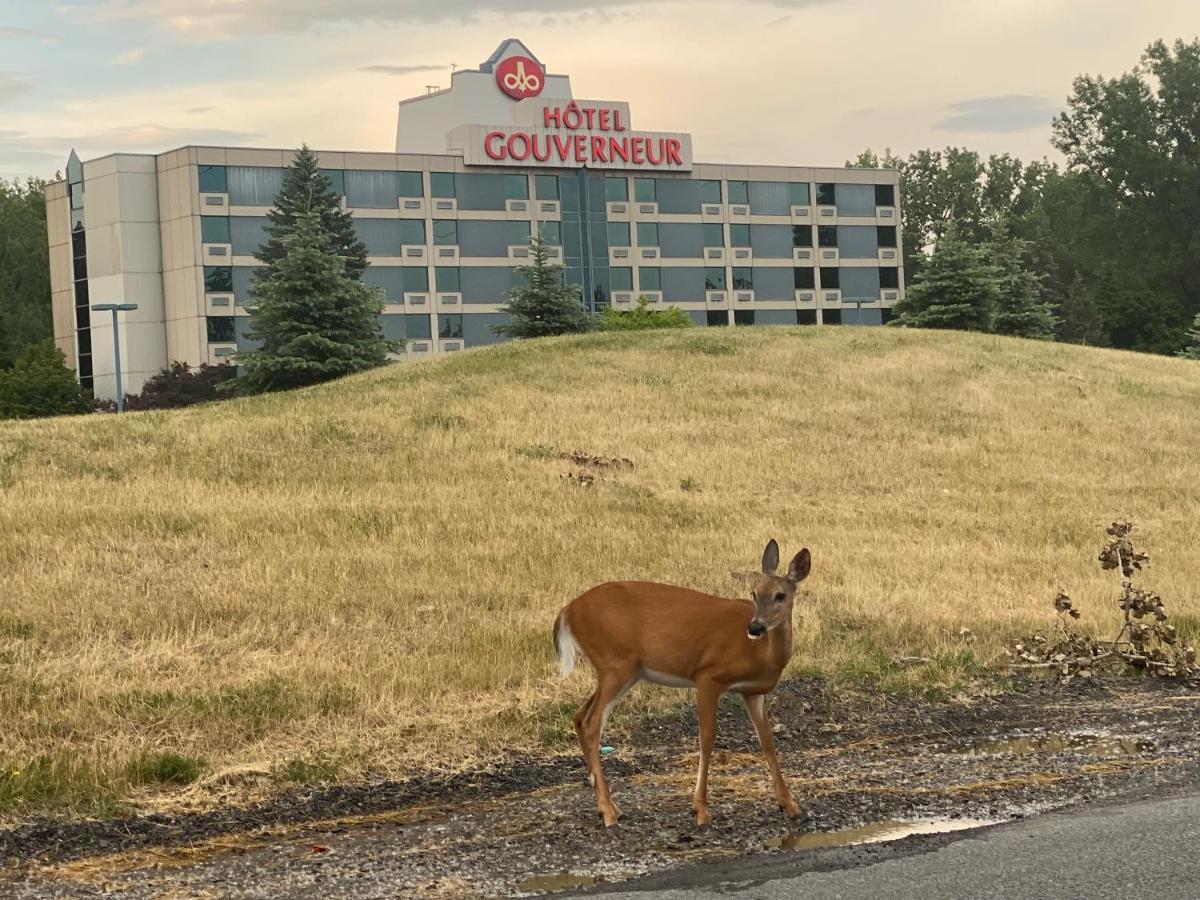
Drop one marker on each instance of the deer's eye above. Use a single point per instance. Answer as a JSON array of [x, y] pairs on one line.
[[779, 598]]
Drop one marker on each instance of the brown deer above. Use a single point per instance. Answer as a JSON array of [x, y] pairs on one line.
[[634, 630]]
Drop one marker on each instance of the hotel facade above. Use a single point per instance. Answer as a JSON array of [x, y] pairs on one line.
[[505, 153]]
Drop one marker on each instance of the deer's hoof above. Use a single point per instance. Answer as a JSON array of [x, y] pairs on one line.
[[791, 810]]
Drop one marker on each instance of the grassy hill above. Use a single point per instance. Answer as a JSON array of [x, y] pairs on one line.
[[362, 576]]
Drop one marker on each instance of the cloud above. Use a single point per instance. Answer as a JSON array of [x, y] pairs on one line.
[[12, 87], [222, 18], [152, 137], [1011, 112], [402, 70], [130, 57], [27, 34], [199, 110]]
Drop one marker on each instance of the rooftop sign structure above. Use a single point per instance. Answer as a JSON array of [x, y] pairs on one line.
[[511, 111]]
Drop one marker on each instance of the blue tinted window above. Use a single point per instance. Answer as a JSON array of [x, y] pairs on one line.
[[415, 278], [214, 229], [213, 180], [441, 184], [714, 279], [218, 279], [446, 278]]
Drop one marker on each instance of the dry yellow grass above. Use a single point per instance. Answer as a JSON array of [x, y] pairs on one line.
[[370, 569]]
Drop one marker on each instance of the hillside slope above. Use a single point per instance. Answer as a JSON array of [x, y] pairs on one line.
[[362, 576]]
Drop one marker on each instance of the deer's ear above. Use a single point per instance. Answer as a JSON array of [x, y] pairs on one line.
[[770, 558], [800, 566]]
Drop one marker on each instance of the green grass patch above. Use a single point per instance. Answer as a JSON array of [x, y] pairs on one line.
[[163, 768]]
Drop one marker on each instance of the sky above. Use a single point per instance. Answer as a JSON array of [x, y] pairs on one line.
[[786, 82]]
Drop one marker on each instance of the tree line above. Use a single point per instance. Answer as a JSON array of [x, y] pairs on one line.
[[1103, 249]]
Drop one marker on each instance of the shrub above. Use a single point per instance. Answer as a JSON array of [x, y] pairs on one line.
[[40, 384], [181, 385], [643, 317]]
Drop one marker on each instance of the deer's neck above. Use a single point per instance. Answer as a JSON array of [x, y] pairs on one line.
[[779, 644]]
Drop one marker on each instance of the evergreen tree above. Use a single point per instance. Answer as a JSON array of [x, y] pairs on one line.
[[40, 384], [24, 268], [313, 319], [1020, 309], [543, 304], [956, 288], [1192, 349], [307, 189], [1080, 318]]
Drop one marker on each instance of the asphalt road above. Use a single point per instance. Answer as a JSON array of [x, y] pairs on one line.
[[1146, 849]]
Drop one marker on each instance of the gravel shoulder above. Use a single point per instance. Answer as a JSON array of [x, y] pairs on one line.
[[528, 825]]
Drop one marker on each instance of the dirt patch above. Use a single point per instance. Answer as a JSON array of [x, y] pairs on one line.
[[862, 765]]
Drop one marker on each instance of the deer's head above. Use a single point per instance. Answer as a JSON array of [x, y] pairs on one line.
[[773, 594]]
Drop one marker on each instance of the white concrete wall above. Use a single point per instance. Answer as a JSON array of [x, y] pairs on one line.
[[124, 254]]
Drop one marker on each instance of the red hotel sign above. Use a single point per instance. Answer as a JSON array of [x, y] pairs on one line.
[[577, 135]]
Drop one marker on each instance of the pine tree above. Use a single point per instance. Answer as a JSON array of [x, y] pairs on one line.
[[1080, 318], [306, 188], [1192, 349], [956, 288], [543, 304], [314, 320], [1020, 309]]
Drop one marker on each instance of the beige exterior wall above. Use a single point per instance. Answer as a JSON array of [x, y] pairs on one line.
[[58, 233]]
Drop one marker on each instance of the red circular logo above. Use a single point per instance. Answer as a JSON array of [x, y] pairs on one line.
[[520, 77]]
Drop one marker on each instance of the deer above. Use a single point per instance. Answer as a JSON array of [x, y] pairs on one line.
[[632, 631]]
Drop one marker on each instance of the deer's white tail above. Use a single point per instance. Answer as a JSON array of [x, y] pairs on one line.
[[565, 647]]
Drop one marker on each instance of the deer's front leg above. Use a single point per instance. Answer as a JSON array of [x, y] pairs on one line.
[[707, 696], [756, 705]]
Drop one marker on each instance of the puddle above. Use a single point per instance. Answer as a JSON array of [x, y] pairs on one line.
[[875, 832], [562, 882], [1037, 745]]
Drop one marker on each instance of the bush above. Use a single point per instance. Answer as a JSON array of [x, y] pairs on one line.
[[181, 385], [40, 384], [643, 317]]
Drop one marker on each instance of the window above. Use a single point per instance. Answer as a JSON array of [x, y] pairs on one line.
[[714, 279], [550, 232], [806, 317], [410, 184], [446, 278], [416, 327], [717, 317], [441, 184], [889, 278], [738, 192], [801, 235], [218, 279], [621, 278], [714, 234], [616, 190], [739, 235], [743, 317], [647, 234], [710, 192], [516, 234], [412, 231], [220, 330], [650, 278], [831, 278], [885, 195], [445, 232], [827, 236], [337, 180], [618, 234], [214, 229], [798, 194], [516, 187], [213, 180], [831, 316], [546, 186], [804, 279], [368, 189], [885, 235], [826, 195], [414, 279], [76, 192], [644, 190], [743, 278], [450, 326]]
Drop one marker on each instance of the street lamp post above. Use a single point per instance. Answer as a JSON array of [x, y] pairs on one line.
[[114, 308]]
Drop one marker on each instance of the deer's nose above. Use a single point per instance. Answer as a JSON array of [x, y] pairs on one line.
[[756, 629]]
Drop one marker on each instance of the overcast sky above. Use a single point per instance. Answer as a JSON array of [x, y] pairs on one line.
[[802, 82]]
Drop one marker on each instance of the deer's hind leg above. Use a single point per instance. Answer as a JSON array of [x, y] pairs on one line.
[[614, 681]]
